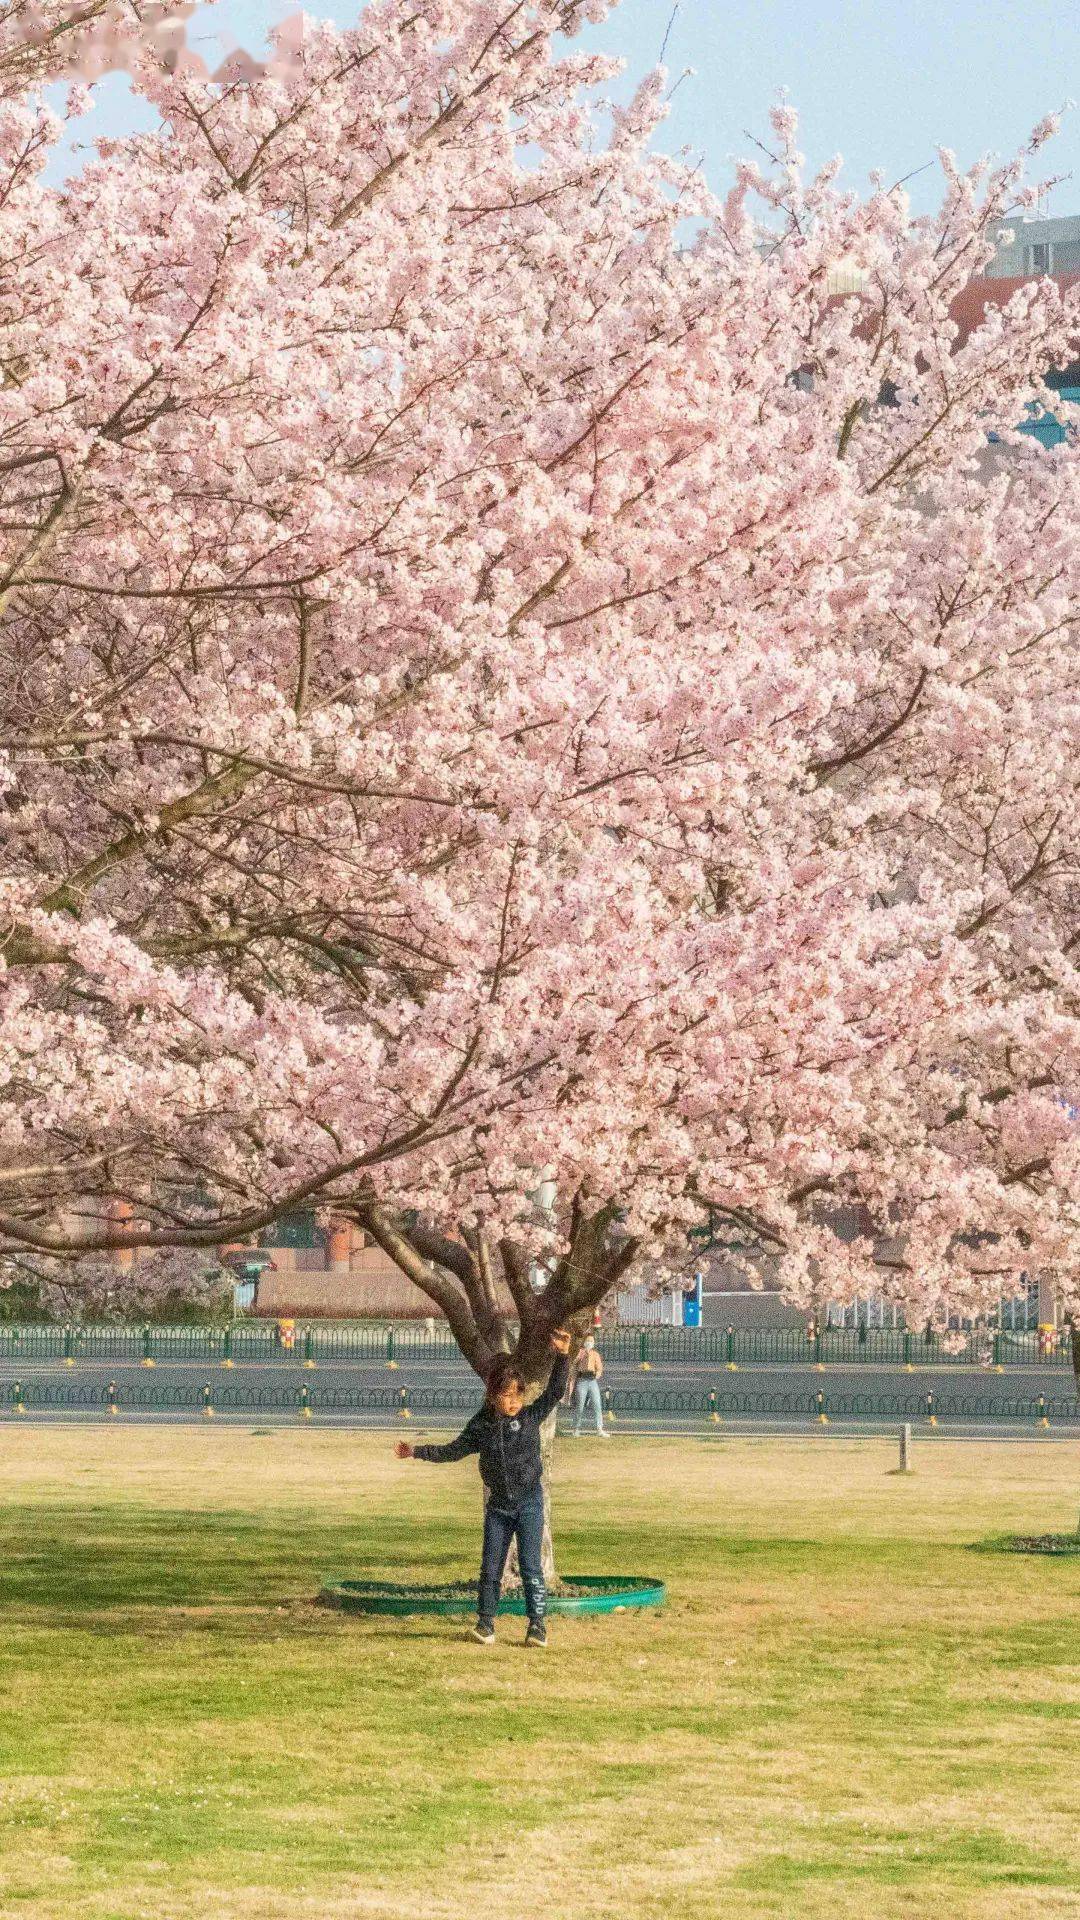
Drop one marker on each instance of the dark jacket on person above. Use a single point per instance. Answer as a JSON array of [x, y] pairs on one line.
[[509, 1446]]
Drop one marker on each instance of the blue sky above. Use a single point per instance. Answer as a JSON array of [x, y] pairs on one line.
[[882, 82]]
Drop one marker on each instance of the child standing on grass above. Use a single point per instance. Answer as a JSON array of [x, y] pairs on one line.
[[506, 1434]]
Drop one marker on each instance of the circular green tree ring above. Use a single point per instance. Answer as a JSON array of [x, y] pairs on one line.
[[584, 1593]]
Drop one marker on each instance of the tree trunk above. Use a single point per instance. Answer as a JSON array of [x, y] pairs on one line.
[[547, 1457], [1074, 1342], [458, 1275]]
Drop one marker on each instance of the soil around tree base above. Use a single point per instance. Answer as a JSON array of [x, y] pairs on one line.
[[582, 1593], [1061, 1545]]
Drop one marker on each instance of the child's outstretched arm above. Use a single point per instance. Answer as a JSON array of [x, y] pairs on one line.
[[468, 1441], [548, 1400]]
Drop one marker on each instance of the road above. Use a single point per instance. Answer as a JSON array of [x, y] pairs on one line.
[[440, 1394]]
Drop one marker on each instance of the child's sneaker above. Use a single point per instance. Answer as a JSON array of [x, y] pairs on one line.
[[484, 1632], [537, 1634]]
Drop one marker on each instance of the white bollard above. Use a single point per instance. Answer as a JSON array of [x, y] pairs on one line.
[[905, 1450]]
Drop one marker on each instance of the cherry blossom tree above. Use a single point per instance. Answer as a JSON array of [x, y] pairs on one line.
[[512, 684], [169, 1285]]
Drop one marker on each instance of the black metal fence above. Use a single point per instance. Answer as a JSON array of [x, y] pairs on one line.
[[279, 1394]]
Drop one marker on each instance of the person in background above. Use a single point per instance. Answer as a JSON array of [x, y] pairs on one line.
[[585, 1387]]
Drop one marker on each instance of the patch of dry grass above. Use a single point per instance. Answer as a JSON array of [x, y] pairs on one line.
[[842, 1710]]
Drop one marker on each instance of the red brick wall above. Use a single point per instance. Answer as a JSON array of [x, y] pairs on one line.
[[302, 1285]]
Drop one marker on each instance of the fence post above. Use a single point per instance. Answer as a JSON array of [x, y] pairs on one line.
[[1043, 1421], [907, 1351], [305, 1404], [226, 1349], [930, 1414], [817, 1345], [997, 1353], [403, 1404], [644, 1363], [18, 1402], [390, 1361], [208, 1402], [608, 1411], [114, 1404], [69, 1347], [713, 1415], [905, 1449], [731, 1367], [309, 1348], [147, 1349]]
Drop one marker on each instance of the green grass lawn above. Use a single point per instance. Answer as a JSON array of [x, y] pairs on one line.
[[843, 1711]]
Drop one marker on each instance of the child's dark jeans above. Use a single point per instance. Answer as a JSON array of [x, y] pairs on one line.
[[500, 1525]]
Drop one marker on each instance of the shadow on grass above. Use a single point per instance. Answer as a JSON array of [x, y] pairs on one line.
[[79, 1559], [887, 1859]]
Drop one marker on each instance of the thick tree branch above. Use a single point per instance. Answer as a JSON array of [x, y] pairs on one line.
[[438, 1287]]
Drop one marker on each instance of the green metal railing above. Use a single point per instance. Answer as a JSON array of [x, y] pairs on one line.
[[259, 1343], [246, 1343], [830, 1346]]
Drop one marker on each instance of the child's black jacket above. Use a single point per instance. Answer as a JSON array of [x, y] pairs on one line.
[[509, 1449]]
